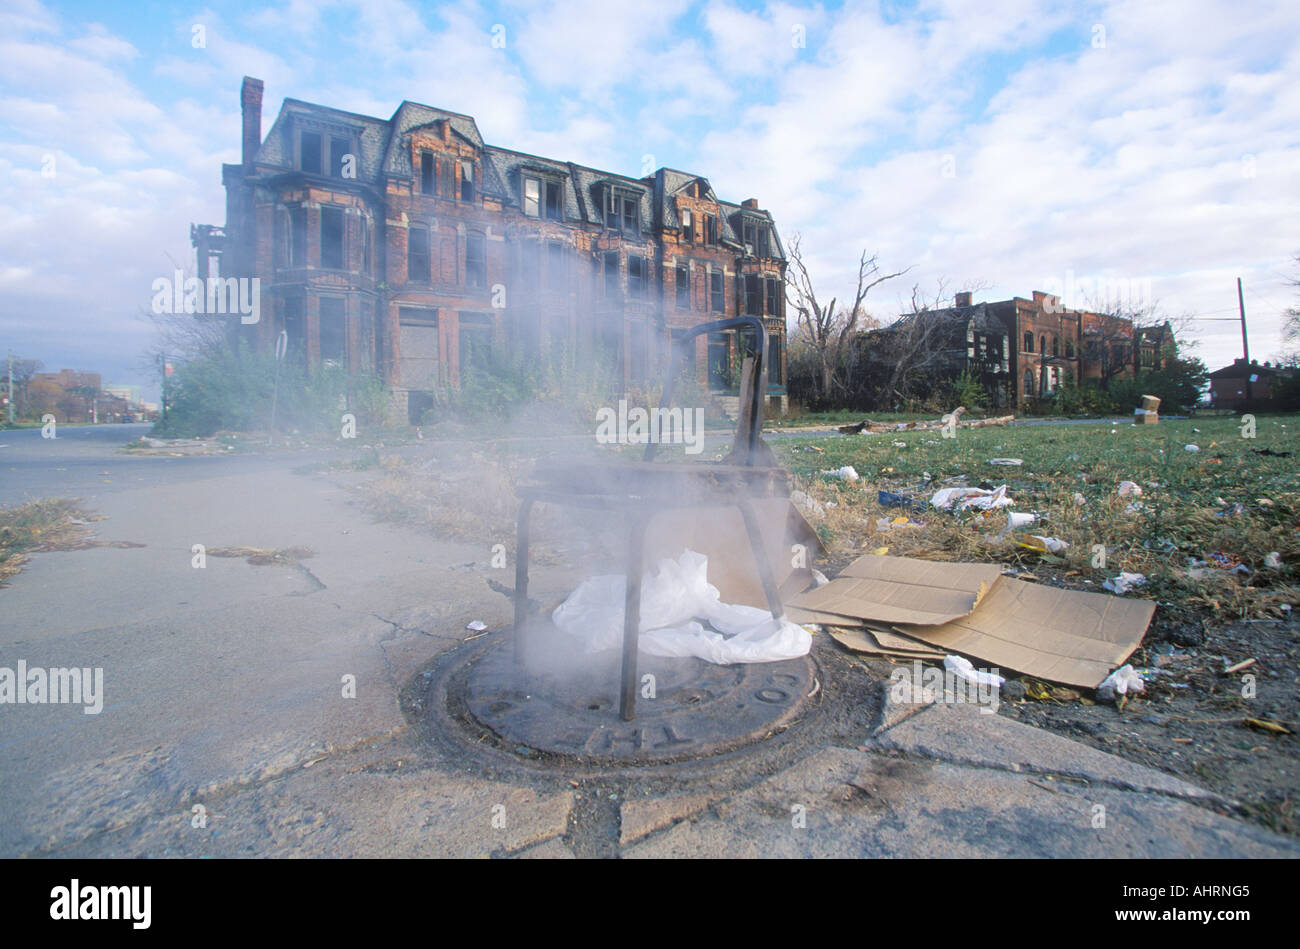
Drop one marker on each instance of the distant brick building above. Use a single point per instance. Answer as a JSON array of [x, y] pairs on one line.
[[409, 246], [1025, 349], [1248, 386]]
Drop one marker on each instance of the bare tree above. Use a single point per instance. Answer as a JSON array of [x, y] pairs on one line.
[[829, 329], [917, 342]]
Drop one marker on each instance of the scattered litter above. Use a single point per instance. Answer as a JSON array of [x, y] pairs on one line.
[[477, 626], [1017, 519], [1264, 724], [1127, 488], [1134, 507], [1273, 561], [1044, 545], [1245, 663], [891, 499], [812, 448], [847, 473], [963, 498], [806, 503], [960, 665], [1125, 582], [1233, 511], [1120, 682], [1012, 462], [1079, 499], [900, 444], [1271, 453], [1264, 502], [820, 578], [1191, 447], [853, 429]]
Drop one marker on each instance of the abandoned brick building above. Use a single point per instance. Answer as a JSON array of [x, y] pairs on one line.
[[410, 247], [1023, 350]]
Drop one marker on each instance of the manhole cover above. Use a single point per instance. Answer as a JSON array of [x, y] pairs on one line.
[[686, 708]]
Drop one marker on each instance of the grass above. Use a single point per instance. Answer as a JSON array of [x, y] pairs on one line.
[[1180, 517]]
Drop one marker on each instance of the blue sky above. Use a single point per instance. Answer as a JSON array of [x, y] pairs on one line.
[[1006, 146]]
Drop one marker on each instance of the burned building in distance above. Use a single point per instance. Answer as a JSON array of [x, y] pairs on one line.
[[409, 247]]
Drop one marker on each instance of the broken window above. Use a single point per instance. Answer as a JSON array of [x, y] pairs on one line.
[[638, 277], [554, 200], [555, 265], [1056, 345], [532, 197], [710, 230], [298, 237], [755, 236], [1029, 342], [753, 295], [683, 287], [340, 148], [333, 337], [621, 212], [611, 273], [717, 295], [475, 261], [447, 186], [331, 238], [773, 296], [309, 153], [426, 172], [1029, 384], [688, 231], [466, 180], [417, 254]]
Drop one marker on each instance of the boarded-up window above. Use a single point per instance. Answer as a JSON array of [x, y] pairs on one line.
[[450, 254], [418, 347]]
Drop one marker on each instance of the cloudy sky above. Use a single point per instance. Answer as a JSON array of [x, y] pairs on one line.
[[1013, 145]]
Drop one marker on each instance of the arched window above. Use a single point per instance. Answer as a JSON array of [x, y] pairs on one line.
[[1029, 342], [1029, 384]]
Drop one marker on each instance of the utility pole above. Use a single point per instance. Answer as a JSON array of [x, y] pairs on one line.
[[1245, 345]]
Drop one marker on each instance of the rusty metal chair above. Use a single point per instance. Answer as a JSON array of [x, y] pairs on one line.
[[639, 490]]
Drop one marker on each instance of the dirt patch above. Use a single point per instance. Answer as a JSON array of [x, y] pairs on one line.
[[262, 556]]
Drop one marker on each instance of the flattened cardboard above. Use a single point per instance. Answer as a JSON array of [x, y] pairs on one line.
[[1064, 636], [878, 642], [902, 590], [719, 533]]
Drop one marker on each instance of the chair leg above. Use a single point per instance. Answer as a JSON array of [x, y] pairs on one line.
[[521, 577], [760, 558], [632, 619]]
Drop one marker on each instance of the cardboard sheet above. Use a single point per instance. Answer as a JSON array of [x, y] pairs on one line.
[[902, 590], [879, 642], [1065, 636], [719, 533]]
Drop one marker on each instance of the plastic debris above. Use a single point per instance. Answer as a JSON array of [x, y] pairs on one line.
[[1079, 499], [1129, 488], [961, 499], [1044, 545], [1273, 561], [847, 473], [1012, 462], [1125, 582], [1133, 508], [900, 444], [1191, 448], [819, 578], [961, 667], [1120, 682], [1232, 511], [1017, 519], [477, 626], [890, 499], [806, 503]]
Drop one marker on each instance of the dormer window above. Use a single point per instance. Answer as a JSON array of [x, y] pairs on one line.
[[543, 197], [621, 211], [309, 153], [755, 234], [466, 180]]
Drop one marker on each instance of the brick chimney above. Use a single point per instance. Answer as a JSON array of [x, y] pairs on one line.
[[750, 203], [962, 298], [250, 103]]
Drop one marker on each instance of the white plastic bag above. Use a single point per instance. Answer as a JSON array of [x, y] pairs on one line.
[[674, 597]]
